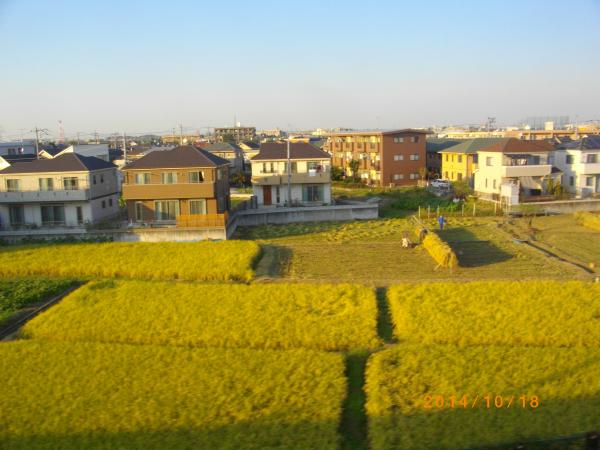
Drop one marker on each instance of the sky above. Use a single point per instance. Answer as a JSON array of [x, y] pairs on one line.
[[149, 66]]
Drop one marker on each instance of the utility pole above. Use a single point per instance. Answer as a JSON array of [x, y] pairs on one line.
[[289, 174], [96, 137], [180, 134], [37, 140], [78, 140]]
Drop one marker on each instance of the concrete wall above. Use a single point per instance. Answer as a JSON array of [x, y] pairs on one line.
[[560, 207]]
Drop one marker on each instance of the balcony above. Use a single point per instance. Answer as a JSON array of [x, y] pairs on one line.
[[69, 195], [297, 178], [590, 168], [535, 170], [168, 191]]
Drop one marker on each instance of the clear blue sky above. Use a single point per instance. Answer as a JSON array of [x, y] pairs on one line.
[[150, 65]]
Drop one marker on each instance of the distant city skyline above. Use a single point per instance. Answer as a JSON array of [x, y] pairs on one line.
[[146, 67]]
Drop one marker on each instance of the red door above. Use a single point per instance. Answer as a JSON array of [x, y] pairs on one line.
[[266, 195]]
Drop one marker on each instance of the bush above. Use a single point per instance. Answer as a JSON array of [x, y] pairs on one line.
[[73, 396], [440, 251], [17, 294], [328, 317], [223, 261], [404, 383], [538, 313], [588, 220]]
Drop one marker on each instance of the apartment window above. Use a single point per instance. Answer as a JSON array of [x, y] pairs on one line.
[[139, 211], [398, 140], [459, 176], [195, 177], [166, 209], [268, 168], [372, 145], [110, 202], [571, 181], [494, 183], [53, 214], [101, 178], [79, 211], [94, 179], [294, 167], [414, 157], [198, 206], [142, 178], [592, 158], [569, 159], [398, 157], [459, 157], [589, 181], [16, 214], [168, 177], [489, 161], [103, 204], [46, 184], [414, 139], [70, 183], [446, 157], [414, 176], [398, 176], [13, 185], [312, 193]]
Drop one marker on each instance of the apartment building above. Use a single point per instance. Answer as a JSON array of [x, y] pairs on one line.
[[235, 134], [514, 171], [162, 185], [460, 160], [580, 164], [68, 190], [309, 175], [385, 158]]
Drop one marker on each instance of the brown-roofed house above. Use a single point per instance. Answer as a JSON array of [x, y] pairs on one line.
[[162, 185]]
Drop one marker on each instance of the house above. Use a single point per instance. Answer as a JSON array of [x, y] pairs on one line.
[[229, 151], [460, 160], [580, 164], [250, 150], [309, 180], [96, 150], [513, 170], [433, 146], [17, 148], [68, 190], [384, 158], [162, 185]]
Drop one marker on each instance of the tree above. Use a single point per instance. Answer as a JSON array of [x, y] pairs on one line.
[[337, 173], [461, 189], [238, 178], [354, 165]]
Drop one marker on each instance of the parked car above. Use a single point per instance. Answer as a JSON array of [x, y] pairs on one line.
[[441, 184]]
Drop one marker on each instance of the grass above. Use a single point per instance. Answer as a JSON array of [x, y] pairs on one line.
[[71, 396], [206, 261], [18, 294], [327, 317], [404, 382], [536, 313]]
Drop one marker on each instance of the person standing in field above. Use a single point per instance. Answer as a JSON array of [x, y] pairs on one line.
[[442, 222]]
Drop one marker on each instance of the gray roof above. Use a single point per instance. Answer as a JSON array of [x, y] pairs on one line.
[[222, 147], [179, 157], [298, 150], [68, 162], [587, 143], [435, 145], [472, 145]]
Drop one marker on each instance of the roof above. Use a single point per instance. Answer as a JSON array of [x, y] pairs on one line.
[[298, 150], [438, 144], [379, 132], [222, 147], [179, 157], [514, 145], [586, 143], [68, 162], [471, 145], [24, 157], [251, 144]]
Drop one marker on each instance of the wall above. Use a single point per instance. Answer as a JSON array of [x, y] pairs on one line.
[[406, 167], [296, 191], [560, 207], [491, 173]]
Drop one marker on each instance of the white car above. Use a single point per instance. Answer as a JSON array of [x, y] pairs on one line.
[[442, 184]]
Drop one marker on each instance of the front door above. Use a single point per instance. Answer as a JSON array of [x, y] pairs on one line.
[[266, 195]]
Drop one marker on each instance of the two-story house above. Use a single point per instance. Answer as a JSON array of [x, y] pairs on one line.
[[162, 185], [385, 158], [580, 163], [514, 170], [68, 190], [229, 151], [460, 160], [307, 178]]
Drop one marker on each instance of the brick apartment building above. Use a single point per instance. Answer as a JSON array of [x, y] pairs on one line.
[[386, 158]]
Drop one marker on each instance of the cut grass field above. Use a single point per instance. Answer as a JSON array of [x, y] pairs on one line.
[[197, 261], [18, 294], [72, 396], [566, 382], [535, 313], [278, 316]]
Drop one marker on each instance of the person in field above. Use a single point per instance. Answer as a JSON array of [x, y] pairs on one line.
[[442, 222]]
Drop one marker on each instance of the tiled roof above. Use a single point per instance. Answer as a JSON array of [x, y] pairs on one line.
[[472, 145], [179, 157], [221, 147], [514, 145], [68, 162], [438, 144], [298, 150], [587, 143]]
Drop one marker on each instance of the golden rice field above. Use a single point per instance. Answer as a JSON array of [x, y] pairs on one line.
[[73, 396], [450, 397], [278, 316], [537, 313], [205, 261]]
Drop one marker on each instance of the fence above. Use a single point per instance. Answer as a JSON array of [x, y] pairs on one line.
[[462, 209], [201, 220]]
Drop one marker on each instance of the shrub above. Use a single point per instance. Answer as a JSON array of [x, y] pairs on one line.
[[439, 250], [588, 220], [401, 415], [17, 294], [229, 260], [328, 317], [73, 396], [498, 312]]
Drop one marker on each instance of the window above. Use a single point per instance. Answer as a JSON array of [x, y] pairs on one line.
[[398, 157], [168, 177], [446, 175], [139, 211], [489, 161], [398, 140], [13, 185], [101, 178], [592, 158], [195, 177], [70, 183], [494, 183], [398, 176], [446, 157], [314, 166], [589, 181], [294, 167], [571, 181], [277, 195], [414, 139], [459, 176], [414, 176], [94, 179], [110, 202], [569, 159], [16, 214], [79, 210], [166, 210], [53, 214], [459, 157], [312, 193], [103, 204], [142, 178], [198, 206], [414, 157], [475, 158], [46, 184], [486, 182]]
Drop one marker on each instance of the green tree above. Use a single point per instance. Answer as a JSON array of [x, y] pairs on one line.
[[354, 165], [337, 173]]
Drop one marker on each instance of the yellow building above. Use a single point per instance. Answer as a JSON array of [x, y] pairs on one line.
[[460, 161]]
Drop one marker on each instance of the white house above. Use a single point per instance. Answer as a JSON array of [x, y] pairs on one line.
[[309, 176], [67, 190], [95, 150], [514, 170], [580, 164]]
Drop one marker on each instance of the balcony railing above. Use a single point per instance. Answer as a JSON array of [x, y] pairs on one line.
[[202, 220]]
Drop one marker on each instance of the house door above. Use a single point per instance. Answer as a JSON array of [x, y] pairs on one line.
[[267, 195]]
